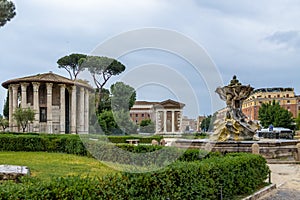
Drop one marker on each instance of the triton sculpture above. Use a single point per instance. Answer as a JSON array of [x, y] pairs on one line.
[[234, 125]]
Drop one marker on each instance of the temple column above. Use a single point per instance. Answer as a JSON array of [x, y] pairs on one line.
[[179, 120], [86, 111], [62, 120], [49, 107], [73, 110], [24, 95], [173, 121], [157, 121], [165, 121], [36, 106], [15, 88], [81, 111], [10, 105]]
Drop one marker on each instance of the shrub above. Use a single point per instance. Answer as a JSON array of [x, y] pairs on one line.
[[147, 126], [236, 174], [196, 174]]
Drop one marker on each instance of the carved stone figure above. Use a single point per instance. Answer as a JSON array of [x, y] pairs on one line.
[[234, 126]]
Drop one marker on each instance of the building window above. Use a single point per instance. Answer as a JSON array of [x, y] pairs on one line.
[[278, 95], [269, 96], [136, 115], [149, 115], [143, 115], [43, 114], [130, 115], [288, 101], [287, 95]]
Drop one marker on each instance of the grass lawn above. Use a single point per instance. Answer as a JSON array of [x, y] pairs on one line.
[[47, 165]]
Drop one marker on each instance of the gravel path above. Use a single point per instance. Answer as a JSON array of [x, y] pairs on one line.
[[287, 179]]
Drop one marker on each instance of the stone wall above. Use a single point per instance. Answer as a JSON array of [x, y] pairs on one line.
[[272, 149]]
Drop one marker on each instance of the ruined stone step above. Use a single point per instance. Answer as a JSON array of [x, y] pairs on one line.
[[13, 172]]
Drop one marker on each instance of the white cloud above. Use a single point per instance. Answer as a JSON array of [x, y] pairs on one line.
[[257, 40]]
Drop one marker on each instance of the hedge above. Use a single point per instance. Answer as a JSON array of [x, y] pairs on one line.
[[57, 143], [235, 174], [50, 143], [141, 155]]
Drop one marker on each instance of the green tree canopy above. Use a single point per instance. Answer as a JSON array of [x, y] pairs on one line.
[[297, 120], [105, 102], [123, 96], [114, 116], [7, 11], [205, 124], [3, 122], [147, 126], [6, 107], [273, 113], [122, 118], [23, 117], [72, 64], [102, 69], [116, 123], [107, 122]]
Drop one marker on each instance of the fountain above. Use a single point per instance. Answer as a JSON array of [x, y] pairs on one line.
[[234, 125], [235, 133]]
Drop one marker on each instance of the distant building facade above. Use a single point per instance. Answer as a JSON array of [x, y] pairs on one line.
[[166, 115], [284, 96], [188, 124], [61, 105]]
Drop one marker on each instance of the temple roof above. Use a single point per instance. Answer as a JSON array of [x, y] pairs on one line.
[[46, 78], [166, 103]]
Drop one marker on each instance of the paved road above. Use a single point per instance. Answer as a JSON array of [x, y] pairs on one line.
[[287, 179]]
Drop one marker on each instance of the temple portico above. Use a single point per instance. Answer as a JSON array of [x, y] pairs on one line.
[[61, 105], [168, 120], [166, 115]]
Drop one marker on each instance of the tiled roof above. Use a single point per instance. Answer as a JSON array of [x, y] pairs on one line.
[[163, 103], [146, 103], [47, 78]]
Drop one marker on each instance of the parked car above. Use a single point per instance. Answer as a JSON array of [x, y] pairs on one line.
[[276, 133]]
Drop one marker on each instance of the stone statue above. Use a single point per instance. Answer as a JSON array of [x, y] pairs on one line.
[[234, 126]]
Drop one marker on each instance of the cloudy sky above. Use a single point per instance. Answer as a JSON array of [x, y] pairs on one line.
[[259, 41]]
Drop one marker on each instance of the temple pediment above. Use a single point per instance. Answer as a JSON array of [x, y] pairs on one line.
[[172, 104]]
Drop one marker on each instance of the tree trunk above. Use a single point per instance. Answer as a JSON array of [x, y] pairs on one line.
[[98, 98]]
